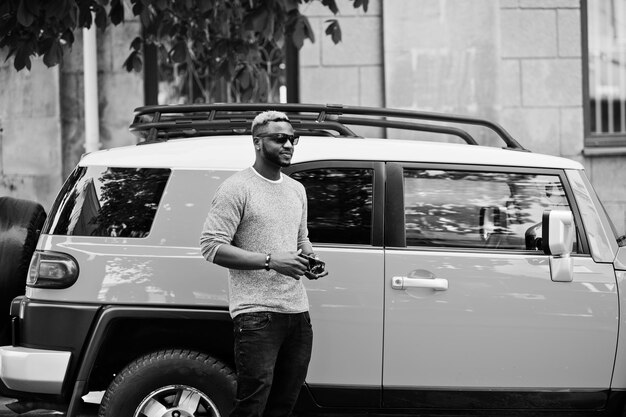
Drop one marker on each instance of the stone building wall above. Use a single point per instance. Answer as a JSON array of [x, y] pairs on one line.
[[517, 62], [42, 114], [30, 132], [119, 93], [351, 72]]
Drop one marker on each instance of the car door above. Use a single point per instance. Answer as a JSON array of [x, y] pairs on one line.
[[472, 316], [345, 223]]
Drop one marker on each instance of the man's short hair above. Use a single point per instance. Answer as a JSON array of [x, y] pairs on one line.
[[264, 118]]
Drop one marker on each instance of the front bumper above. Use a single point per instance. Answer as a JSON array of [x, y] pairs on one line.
[[33, 370]]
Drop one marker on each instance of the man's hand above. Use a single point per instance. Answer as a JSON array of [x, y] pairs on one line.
[[289, 263], [315, 265], [310, 275]]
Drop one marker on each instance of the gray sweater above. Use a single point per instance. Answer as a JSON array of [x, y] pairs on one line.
[[259, 215]]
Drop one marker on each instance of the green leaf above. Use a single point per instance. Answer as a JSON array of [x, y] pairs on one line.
[[137, 63], [138, 8], [179, 52], [332, 5], [57, 8], [22, 57], [128, 63], [68, 37], [334, 30], [34, 6], [24, 16], [298, 35], [84, 15], [117, 12], [290, 5], [308, 30], [54, 55], [244, 77], [205, 5], [361, 3], [136, 43], [101, 17], [257, 20]]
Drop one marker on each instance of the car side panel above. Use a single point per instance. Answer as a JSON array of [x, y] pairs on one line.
[[347, 318], [501, 323], [166, 267]]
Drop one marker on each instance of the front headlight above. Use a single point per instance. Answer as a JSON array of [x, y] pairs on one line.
[[52, 270]]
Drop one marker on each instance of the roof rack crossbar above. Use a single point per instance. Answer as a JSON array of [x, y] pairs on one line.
[[410, 126], [323, 113], [167, 130]]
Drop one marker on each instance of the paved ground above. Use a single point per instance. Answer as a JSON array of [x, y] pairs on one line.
[[7, 404]]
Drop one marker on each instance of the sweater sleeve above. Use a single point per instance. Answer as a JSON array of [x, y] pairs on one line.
[[222, 220], [303, 231]]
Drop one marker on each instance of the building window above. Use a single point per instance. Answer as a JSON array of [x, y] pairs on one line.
[[605, 35]]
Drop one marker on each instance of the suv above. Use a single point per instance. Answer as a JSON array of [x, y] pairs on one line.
[[462, 277]]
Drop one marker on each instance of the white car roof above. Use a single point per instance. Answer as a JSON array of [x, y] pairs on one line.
[[237, 152]]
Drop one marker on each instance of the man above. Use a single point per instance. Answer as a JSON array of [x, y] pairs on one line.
[[256, 227]]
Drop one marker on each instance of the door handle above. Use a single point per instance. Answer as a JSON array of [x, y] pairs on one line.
[[402, 283]]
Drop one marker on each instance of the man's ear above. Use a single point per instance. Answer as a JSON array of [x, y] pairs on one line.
[[257, 143]]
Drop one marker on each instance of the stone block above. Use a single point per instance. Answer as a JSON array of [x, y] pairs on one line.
[[371, 86], [552, 82], [528, 33], [549, 4], [33, 93], [570, 30], [329, 85], [120, 94], [534, 129], [604, 174], [361, 43], [451, 24], [31, 146], [572, 138], [42, 189], [442, 79], [510, 91], [509, 4]]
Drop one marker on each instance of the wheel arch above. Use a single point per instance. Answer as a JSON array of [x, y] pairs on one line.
[[121, 334]]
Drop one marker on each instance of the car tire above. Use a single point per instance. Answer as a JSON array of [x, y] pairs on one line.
[[153, 384], [20, 225]]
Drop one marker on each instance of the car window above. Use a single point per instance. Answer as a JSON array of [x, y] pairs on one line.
[[339, 204], [468, 209], [101, 201]]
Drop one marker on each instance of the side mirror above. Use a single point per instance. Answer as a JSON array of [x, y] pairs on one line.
[[558, 233]]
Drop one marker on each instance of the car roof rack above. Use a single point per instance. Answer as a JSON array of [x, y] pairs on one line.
[[164, 122]]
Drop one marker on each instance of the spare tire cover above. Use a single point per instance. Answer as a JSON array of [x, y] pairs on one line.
[[20, 225]]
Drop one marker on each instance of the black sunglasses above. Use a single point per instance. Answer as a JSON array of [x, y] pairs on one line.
[[280, 138]]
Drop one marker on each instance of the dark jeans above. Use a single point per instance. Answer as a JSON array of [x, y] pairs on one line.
[[272, 353]]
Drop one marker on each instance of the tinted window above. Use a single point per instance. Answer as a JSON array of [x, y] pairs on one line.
[[98, 201], [339, 204], [491, 210]]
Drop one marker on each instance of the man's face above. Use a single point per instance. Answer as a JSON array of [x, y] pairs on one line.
[[273, 150]]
